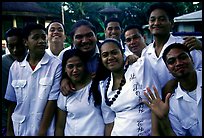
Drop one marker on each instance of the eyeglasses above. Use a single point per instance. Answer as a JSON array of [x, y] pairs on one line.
[[134, 37], [183, 56]]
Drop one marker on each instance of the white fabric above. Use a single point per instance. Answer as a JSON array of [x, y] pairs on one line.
[[131, 117], [83, 118], [158, 64], [186, 113], [31, 90]]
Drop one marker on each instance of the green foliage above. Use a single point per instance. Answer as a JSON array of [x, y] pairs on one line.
[[132, 12]]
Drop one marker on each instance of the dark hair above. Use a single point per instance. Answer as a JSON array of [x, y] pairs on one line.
[[53, 21], [14, 32], [134, 26], [107, 40], [175, 45], [112, 19], [30, 27], [80, 23], [167, 7]]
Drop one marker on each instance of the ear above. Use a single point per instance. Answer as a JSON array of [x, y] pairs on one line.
[[172, 24], [25, 43]]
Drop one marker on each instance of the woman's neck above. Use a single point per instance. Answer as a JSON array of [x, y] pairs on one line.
[[81, 84]]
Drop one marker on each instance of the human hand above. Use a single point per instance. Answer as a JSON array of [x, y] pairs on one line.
[[156, 104], [131, 59], [66, 87], [192, 43]]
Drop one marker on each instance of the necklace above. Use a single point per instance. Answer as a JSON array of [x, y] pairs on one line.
[[123, 81]]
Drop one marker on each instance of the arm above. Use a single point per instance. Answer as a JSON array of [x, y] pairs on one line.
[[108, 129], [192, 43], [169, 87], [60, 122], [47, 117], [10, 131], [131, 59], [66, 86]]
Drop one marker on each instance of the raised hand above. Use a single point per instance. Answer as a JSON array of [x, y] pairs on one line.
[[155, 103]]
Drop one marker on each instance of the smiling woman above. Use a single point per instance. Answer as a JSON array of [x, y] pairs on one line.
[[123, 91]]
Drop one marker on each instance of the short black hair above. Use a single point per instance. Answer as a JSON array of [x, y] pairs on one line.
[[80, 23], [166, 6], [30, 27], [53, 21], [134, 26], [175, 45], [112, 19], [14, 32]]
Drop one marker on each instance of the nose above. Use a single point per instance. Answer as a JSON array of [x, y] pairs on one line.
[[85, 39], [75, 69], [14, 49], [157, 21], [178, 61]]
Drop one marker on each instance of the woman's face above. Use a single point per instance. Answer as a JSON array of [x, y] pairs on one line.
[[75, 69], [112, 57]]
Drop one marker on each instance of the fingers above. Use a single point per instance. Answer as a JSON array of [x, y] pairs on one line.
[[167, 98], [156, 92], [147, 96], [190, 42], [150, 94]]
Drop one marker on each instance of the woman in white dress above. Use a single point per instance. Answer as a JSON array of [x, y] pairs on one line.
[[79, 113], [123, 92]]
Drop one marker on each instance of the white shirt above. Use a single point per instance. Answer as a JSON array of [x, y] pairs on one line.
[[185, 113], [158, 64], [83, 118], [130, 116], [31, 90]]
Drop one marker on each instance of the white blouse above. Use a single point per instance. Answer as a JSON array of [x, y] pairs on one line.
[[83, 118], [130, 116]]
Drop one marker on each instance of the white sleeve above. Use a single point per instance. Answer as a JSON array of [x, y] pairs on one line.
[[107, 113]]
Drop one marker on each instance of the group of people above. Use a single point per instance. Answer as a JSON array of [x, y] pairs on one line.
[[113, 88]]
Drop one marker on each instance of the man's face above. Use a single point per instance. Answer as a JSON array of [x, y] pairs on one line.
[[159, 23], [134, 41], [36, 42], [179, 63], [56, 33], [84, 39], [16, 47], [113, 30]]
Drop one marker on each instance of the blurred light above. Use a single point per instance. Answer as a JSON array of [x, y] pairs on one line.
[[195, 3]]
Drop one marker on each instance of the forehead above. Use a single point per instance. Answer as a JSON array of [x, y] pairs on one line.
[[112, 24], [83, 30], [109, 46], [132, 32], [174, 52], [74, 59], [56, 24], [12, 39], [37, 31], [158, 12]]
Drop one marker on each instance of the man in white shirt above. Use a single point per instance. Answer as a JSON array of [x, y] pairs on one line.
[[180, 115], [33, 87], [55, 37], [161, 17]]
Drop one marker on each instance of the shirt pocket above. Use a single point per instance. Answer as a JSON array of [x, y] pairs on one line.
[[19, 124], [189, 123], [45, 87], [19, 87]]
